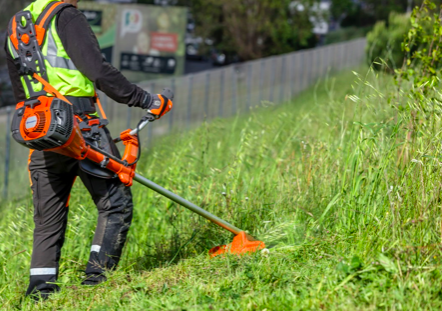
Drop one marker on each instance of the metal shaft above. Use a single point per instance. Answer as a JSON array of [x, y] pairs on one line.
[[186, 204], [139, 128]]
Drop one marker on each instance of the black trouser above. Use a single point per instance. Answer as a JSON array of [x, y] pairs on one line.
[[52, 176]]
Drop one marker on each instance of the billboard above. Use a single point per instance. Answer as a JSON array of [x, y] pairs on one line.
[[149, 42], [143, 41]]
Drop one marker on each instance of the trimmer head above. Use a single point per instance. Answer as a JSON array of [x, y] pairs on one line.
[[241, 244]]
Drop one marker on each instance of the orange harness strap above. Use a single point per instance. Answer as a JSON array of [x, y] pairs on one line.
[[102, 113], [50, 89], [43, 20]]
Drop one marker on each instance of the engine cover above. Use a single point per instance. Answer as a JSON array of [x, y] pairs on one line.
[[42, 124]]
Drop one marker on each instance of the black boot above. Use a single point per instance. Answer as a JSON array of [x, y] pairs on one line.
[[94, 279], [40, 289]]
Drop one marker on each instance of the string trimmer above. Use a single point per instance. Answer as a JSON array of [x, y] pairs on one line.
[[49, 124]]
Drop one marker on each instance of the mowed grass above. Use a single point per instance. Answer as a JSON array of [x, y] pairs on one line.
[[348, 206]]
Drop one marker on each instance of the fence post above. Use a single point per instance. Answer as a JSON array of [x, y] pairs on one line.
[[249, 86], [292, 75], [273, 78], [172, 82], [282, 87], [150, 130], [234, 90], [8, 153], [206, 95], [128, 118], [221, 95], [103, 100], [310, 69], [341, 52], [327, 59], [315, 66], [189, 100], [261, 80], [302, 71]]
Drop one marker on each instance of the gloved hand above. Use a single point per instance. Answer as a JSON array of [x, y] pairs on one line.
[[157, 105]]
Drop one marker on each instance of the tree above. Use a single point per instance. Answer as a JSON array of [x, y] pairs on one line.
[[253, 28], [367, 12]]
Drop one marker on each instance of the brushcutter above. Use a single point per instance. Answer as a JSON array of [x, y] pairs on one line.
[[48, 123]]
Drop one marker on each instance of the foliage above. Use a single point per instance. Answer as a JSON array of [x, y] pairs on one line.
[[358, 17], [254, 28], [385, 41], [423, 52], [381, 9], [360, 14], [345, 34]]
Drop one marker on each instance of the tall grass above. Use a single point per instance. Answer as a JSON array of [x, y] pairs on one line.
[[345, 197]]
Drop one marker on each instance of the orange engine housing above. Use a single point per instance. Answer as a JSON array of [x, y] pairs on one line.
[[48, 123]]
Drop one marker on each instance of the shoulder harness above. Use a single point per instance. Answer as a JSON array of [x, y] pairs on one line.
[[27, 39]]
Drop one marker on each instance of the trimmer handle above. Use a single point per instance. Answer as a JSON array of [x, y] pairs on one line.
[[149, 117], [168, 93]]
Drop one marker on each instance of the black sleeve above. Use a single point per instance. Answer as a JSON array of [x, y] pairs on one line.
[[17, 87], [82, 47]]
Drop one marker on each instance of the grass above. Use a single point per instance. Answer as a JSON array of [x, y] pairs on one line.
[[349, 207]]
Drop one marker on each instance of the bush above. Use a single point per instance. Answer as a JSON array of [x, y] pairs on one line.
[[346, 34], [385, 41]]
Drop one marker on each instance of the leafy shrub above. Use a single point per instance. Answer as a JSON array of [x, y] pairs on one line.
[[384, 41], [345, 34]]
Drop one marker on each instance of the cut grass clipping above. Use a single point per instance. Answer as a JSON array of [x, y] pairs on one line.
[[350, 208]]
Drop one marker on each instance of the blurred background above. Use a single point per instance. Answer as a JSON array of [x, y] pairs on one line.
[[152, 39]]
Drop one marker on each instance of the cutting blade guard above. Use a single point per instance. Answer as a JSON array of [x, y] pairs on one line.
[[241, 244]]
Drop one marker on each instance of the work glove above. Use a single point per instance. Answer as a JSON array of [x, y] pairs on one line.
[[158, 104]]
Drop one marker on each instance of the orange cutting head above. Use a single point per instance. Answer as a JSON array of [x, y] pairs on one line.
[[241, 244]]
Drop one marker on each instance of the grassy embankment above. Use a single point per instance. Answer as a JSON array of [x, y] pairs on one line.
[[350, 207]]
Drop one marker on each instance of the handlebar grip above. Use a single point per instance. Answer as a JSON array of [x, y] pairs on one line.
[[168, 93]]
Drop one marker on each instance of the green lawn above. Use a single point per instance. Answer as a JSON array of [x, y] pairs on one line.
[[349, 209]]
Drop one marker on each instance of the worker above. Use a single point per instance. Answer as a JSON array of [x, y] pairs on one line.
[[74, 64]]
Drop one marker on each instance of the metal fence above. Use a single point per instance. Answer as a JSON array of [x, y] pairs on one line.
[[201, 97]]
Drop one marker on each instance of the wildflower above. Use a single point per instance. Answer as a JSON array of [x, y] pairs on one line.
[[417, 161], [265, 252], [223, 193], [247, 198]]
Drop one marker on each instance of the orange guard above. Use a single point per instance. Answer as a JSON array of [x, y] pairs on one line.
[[240, 245]]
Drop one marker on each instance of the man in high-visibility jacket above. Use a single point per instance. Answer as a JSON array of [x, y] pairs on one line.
[[74, 63]]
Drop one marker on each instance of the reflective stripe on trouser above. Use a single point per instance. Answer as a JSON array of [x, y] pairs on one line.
[[52, 176]]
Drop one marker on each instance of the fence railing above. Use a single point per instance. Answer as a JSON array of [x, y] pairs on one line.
[[201, 97]]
